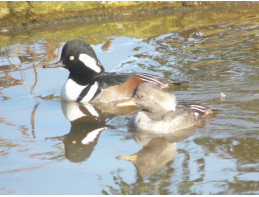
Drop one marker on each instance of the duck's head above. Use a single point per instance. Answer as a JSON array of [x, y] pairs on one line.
[[80, 59], [150, 97]]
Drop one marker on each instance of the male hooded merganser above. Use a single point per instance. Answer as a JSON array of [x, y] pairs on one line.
[[160, 111], [87, 81]]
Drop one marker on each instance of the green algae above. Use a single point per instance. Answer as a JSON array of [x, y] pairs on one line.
[[137, 26], [32, 13]]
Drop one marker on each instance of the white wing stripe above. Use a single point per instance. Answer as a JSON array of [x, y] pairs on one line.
[[198, 109], [149, 78]]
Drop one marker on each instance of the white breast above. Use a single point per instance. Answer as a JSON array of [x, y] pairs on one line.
[[71, 90]]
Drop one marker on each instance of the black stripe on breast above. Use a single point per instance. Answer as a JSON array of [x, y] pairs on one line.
[[85, 91]]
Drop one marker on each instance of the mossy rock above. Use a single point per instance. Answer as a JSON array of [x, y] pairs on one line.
[[34, 14]]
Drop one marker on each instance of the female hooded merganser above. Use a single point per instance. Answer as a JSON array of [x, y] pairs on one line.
[[87, 81], [160, 111]]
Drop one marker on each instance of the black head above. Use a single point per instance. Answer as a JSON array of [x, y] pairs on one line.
[[80, 59]]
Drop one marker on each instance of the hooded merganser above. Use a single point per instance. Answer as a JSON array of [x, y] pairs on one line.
[[88, 82], [160, 111]]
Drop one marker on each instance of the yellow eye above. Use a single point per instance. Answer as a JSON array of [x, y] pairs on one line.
[[71, 58]]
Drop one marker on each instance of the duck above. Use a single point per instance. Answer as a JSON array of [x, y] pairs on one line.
[[89, 83], [160, 113]]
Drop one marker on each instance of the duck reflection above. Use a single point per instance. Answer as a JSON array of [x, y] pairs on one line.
[[86, 126], [79, 143], [157, 151], [87, 122]]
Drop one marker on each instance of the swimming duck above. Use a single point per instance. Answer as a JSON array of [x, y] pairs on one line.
[[160, 111], [88, 82]]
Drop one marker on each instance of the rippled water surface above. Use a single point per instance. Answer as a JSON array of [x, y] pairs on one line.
[[41, 151]]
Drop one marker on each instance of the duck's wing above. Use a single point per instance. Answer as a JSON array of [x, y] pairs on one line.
[[115, 78], [198, 109], [118, 86], [155, 79]]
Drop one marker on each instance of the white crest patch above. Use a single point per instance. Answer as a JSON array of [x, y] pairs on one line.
[[90, 94], [89, 62], [92, 135]]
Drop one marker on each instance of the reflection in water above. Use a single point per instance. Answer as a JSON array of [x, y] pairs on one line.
[[80, 142], [86, 126], [33, 119], [154, 165], [87, 122], [216, 50], [156, 152]]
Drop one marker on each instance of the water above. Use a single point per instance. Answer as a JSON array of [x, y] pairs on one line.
[[217, 51]]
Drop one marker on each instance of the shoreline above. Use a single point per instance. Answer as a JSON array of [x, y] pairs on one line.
[[23, 16]]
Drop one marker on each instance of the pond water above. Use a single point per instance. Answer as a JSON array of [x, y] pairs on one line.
[[42, 152]]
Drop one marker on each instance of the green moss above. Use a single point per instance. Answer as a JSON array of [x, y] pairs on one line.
[[18, 6], [33, 14], [3, 9], [137, 27], [41, 7]]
